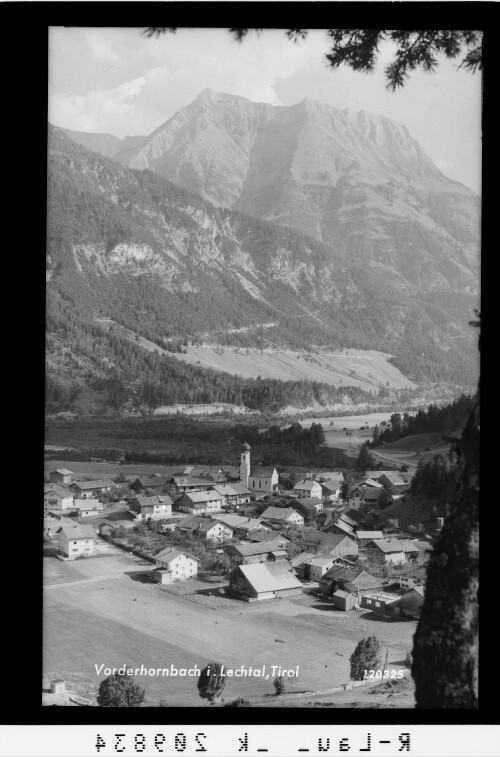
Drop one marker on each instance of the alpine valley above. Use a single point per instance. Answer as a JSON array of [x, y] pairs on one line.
[[263, 256]]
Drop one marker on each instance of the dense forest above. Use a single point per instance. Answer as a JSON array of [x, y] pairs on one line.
[[187, 283], [445, 419], [436, 478]]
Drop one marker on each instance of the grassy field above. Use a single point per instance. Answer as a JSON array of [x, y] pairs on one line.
[[106, 612]]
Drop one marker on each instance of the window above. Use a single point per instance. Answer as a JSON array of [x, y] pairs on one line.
[[377, 604]]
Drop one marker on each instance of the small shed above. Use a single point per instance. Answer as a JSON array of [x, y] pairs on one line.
[[344, 600]]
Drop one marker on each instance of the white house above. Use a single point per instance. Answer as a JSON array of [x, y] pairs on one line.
[[156, 507], [308, 488], [61, 476], [199, 503], [174, 565], [57, 497], [88, 489], [87, 507], [76, 540], [281, 515], [386, 551]]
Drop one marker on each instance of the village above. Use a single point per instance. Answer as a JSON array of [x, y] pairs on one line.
[[228, 538]]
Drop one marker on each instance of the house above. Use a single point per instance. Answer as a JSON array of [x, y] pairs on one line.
[[336, 545], [215, 474], [263, 534], [300, 563], [57, 497], [351, 579], [187, 484], [228, 494], [256, 552], [242, 493], [256, 478], [110, 527], [353, 514], [206, 527], [398, 482], [156, 507], [61, 476], [424, 547], [52, 525], [315, 567], [344, 600], [341, 525], [364, 537], [386, 551], [264, 581], [308, 489], [309, 507], [88, 489], [282, 515], [413, 600], [331, 480], [76, 540], [155, 481], [410, 548], [371, 495], [199, 502], [174, 565], [382, 602], [413, 578], [88, 507]]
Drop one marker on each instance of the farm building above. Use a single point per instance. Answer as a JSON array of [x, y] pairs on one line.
[[382, 602], [365, 537], [256, 552], [61, 476], [307, 489], [282, 516], [173, 565], [188, 484], [57, 497], [88, 489], [309, 507], [156, 507], [76, 540], [386, 551], [344, 600], [155, 481], [343, 525], [88, 507], [262, 534], [413, 578], [300, 563], [351, 579], [337, 545], [316, 567], [264, 581], [199, 503], [413, 600]]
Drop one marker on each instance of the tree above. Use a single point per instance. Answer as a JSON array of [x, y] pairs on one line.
[[365, 460], [120, 691], [211, 682], [279, 685], [366, 656], [359, 48], [344, 491], [239, 702]]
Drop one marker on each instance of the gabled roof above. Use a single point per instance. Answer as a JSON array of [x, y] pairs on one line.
[[199, 497], [95, 484], [169, 553], [325, 539], [356, 577], [58, 491], [372, 483], [423, 546], [156, 499], [240, 488], [225, 490], [263, 534], [258, 471], [62, 471], [308, 485], [192, 522], [388, 545], [259, 548], [77, 531], [251, 525], [340, 593], [408, 546], [301, 559], [209, 523], [151, 481], [369, 535], [353, 514], [320, 561], [278, 513], [190, 481], [235, 521], [270, 577]]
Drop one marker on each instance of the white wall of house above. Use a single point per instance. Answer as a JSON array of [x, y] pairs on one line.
[[75, 547], [182, 567]]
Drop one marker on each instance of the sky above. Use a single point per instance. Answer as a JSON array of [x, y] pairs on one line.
[[118, 81]]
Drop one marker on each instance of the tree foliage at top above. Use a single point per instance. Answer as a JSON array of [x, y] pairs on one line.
[[211, 682], [366, 656], [120, 691], [359, 48], [365, 460]]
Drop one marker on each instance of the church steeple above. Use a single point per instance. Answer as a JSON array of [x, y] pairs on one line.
[[245, 464]]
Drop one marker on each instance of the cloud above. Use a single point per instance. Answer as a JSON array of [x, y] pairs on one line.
[[100, 47]]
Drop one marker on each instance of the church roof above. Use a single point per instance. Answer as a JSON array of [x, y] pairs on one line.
[[245, 447]]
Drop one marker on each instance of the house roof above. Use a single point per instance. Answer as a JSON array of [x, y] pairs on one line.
[[58, 491], [199, 497], [156, 499], [389, 545], [308, 485], [95, 484], [372, 483], [301, 559], [343, 526], [251, 525], [62, 471], [330, 476], [356, 577], [408, 546], [370, 535], [259, 472], [278, 513], [90, 504], [77, 531], [235, 521], [192, 522], [209, 523], [326, 539], [270, 577], [423, 546], [151, 481], [319, 561], [169, 553], [340, 593], [309, 501], [240, 488], [190, 481], [346, 519], [259, 548], [353, 514], [263, 534], [371, 494]]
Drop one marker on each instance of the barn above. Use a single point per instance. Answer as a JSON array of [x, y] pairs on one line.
[[260, 581]]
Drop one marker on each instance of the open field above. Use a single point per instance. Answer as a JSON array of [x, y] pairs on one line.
[[367, 369], [106, 470], [110, 614]]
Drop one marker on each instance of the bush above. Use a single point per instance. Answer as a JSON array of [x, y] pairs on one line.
[[211, 682], [120, 691], [238, 703], [279, 685]]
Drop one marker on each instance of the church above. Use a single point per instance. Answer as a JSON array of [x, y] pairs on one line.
[[256, 478]]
